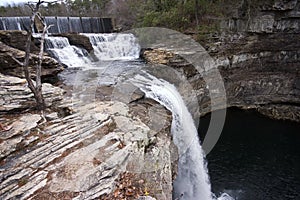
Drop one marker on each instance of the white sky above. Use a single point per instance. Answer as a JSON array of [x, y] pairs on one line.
[[5, 2]]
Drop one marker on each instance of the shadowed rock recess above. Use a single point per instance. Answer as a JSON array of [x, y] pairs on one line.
[[12, 44]]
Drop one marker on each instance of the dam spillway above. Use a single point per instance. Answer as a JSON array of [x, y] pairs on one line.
[[61, 24]]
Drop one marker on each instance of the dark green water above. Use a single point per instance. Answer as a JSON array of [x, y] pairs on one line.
[[255, 158]]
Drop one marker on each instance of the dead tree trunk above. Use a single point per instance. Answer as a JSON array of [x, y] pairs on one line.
[[37, 87]]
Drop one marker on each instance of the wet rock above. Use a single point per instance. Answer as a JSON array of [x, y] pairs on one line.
[[282, 112], [78, 40]]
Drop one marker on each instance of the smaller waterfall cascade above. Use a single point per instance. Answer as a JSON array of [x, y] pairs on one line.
[[115, 46], [107, 47], [14, 23], [72, 56]]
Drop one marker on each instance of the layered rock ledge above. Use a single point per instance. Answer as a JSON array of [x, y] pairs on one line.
[[100, 150]]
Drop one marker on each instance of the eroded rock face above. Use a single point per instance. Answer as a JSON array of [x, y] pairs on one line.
[[86, 152], [17, 40], [50, 67], [265, 17]]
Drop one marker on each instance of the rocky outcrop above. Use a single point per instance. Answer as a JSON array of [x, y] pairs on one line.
[[107, 150], [17, 40], [8, 66]]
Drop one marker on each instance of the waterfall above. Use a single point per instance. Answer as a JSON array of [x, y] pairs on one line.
[[52, 21], [11, 23], [192, 181], [61, 24], [72, 56], [75, 25], [115, 46], [86, 25], [107, 47]]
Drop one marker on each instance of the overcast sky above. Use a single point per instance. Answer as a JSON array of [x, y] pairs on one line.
[[5, 2]]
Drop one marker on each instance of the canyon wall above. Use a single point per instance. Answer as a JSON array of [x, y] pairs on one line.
[[258, 57]]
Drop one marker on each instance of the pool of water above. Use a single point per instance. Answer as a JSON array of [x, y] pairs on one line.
[[255, 157]]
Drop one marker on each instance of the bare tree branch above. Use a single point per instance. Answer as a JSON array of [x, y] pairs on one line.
[[19, 62]]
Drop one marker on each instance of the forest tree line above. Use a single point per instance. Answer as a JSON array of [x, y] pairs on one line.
[[182, 15]]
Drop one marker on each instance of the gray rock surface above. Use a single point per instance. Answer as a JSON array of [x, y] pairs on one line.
[[16, 96], [83, 153], [265, 17]]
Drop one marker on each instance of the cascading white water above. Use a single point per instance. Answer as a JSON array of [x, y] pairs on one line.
[[69, 55], [192, 181], [115, 46], [107, 47]]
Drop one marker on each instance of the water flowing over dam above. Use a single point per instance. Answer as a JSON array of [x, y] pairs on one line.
[[61, 24]]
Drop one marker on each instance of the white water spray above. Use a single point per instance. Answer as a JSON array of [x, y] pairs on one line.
[[69, 55], [192, 181], [114, 46]]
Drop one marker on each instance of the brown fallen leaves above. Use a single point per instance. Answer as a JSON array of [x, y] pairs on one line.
[[128, 187]]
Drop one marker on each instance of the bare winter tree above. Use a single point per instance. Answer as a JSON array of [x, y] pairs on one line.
[[37, 87]]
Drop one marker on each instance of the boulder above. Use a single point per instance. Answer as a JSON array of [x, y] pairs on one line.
[[78, 40]]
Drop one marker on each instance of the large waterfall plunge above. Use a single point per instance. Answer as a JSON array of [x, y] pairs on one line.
[[192, 182]]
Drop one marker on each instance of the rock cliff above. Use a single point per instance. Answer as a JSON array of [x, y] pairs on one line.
[[259, 61]]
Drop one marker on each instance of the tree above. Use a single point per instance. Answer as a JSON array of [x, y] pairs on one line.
[[36, 88]]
